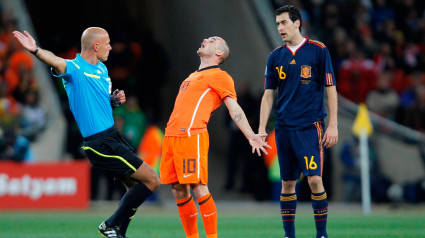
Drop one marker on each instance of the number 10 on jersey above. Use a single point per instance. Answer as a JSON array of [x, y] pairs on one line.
[[189, 165]]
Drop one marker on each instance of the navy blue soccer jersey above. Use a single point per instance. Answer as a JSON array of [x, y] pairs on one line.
[[300, 78]]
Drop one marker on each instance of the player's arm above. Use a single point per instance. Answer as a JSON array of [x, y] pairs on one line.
[[239, 117], [331, 135], [45, 56], [266, 108]]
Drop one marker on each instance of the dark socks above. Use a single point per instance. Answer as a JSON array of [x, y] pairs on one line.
[[124, 226], [131, 200], [320, 209], [288, 205]]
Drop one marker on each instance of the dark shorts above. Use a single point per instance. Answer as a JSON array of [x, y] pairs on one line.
[[300, 151], [107, 150]]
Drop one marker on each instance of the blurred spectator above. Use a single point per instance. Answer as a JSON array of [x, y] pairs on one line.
[[8, 25], [409, 96], [384, 100], [411, 56], [415, 114], [338, 48], [9, 107], [383, 58], [27, 83], [18, 63], [14, 147], [331, 21], [131, 121], [33, 118], [380, 14], [357, 75]]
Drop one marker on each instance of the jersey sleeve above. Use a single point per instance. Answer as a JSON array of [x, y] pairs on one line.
[[270, 81], [71, 68], [224, 86], [327, 68]]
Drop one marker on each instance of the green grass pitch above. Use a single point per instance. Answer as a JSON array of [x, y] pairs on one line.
[[234, 222]]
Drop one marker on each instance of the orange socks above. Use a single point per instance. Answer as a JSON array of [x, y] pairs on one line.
[[188, 216], [209, 215]]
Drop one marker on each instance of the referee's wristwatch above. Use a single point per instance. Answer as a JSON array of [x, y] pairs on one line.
[[35, 51]]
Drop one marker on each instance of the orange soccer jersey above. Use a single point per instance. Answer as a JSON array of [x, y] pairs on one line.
[[199, 95], [185, 149]]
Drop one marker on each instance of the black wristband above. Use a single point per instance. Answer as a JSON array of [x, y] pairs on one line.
[[35, 52]]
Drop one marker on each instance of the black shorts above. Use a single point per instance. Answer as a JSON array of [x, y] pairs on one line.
[[107, 150]]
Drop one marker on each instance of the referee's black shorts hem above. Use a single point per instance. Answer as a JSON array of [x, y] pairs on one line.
[[107, 150]]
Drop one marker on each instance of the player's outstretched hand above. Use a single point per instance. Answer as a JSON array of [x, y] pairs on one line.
[[258, 144], [26, 40], [263, 134]]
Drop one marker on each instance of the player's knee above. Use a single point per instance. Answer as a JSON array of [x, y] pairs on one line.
[[288, 186], [154, 182], [315, 182], [200, 190]]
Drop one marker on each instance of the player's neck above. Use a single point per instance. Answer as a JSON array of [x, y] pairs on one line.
[[296, 41], [207, 62], [90, 58]]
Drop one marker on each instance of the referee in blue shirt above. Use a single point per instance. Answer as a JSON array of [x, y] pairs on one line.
[[90, 96], [301, 71]]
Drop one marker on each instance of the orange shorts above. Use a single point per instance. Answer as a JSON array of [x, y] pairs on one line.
[[185, 159]]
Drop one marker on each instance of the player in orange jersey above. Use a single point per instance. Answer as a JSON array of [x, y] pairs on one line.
[[184, 163]]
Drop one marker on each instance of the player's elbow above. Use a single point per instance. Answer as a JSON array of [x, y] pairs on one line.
[[59, 66]]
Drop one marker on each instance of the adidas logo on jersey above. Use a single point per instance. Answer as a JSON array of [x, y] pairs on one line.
[[293, 61]]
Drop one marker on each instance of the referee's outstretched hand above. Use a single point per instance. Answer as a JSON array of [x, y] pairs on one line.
[[258, 144], [26, 40]]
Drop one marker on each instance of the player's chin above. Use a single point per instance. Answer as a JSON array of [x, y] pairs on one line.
[[103, 59]]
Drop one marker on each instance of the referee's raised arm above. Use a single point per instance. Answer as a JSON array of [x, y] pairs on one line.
[[47, 57]]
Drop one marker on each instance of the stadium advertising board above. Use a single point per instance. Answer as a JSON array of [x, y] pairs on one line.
[[59, 185]]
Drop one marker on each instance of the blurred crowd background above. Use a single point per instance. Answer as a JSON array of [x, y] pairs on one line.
[[378, 53]]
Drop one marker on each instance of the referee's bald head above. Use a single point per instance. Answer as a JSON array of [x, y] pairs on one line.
[[90, 36]]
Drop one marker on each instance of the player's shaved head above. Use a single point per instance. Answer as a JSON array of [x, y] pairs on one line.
[[90, 36], [224, 47]]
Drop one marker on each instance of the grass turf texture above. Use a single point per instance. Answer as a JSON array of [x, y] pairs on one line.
[[232, 223]]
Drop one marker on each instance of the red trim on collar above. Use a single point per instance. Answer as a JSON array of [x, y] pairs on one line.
[[293, 53]]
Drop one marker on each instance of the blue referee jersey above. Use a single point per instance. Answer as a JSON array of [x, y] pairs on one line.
[[300, 78], [88, 88]]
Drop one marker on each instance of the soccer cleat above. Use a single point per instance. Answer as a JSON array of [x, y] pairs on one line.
[[110, 232]]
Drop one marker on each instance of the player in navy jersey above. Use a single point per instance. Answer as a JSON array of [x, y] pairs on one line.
[[90, 97], [301, 71]]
